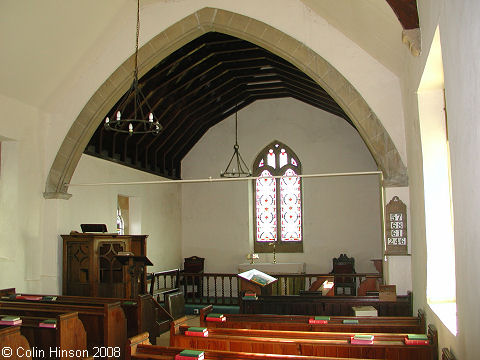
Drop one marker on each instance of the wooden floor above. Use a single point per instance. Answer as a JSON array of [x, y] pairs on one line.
[[164, 339]]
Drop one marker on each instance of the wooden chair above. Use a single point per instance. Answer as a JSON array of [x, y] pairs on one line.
[[193, 265], [344, 285]]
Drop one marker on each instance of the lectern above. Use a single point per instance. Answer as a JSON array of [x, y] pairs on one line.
[[135, 268], [257, 282]]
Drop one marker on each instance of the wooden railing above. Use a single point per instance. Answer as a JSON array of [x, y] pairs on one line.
[[223, 288], [162, 283], [210, 288]]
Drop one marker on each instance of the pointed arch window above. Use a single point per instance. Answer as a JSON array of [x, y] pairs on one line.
[[278, 201]]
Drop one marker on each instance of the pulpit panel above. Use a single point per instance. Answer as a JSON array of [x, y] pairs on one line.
[[91, 266]]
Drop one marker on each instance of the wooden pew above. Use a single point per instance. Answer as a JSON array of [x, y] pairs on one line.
[[325, 305], [105, 324], [409, 325], [385, 346], [138, 348], [68, 335], [10, 337], [143, 314]]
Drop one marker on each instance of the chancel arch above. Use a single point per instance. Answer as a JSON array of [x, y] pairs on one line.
[[206, 20]]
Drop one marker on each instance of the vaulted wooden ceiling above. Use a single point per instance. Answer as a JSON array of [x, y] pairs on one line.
[[194, 88]]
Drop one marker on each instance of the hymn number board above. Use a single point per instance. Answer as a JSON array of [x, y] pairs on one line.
[[395, 227]]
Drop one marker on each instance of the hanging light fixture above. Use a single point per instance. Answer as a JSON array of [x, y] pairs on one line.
[[241, 169], [139, 123]]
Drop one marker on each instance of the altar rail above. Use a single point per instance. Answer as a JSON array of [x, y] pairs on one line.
[[223, 288]]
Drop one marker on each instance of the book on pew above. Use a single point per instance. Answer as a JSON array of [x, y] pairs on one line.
[[190, 355], [48, 323], [28, 297], [350, 321], [249, 296], [215, 317], [416, 339], [365, 310], [129, 303], [196, 331], [319, 320], [49, 298], [10, 320], [362, 339]]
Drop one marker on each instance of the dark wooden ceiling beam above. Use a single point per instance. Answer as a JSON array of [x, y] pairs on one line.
[[198, 86], [201, 107], [176, 120], [407, 13], [205, 110], [193, 137]]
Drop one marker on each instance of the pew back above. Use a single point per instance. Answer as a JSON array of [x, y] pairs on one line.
[[69, 334], [325, 305], [385, 346], [10, 337], [138, 348], [143, 314], [411, 325], [105, 324]]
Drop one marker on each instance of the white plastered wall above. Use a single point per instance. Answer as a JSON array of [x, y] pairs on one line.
[[341, 215], [22, 218], [158, 205], [459, 33]]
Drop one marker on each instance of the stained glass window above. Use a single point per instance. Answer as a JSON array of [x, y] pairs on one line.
[[283, 158], [291, 207], [278, 199], [266, 207], [271, 158], [120, 222]]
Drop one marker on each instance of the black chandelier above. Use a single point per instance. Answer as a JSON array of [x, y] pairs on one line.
[[241, 169], [139, 123]]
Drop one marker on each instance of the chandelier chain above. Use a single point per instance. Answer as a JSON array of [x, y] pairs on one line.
[[241, 169], [136, 41]]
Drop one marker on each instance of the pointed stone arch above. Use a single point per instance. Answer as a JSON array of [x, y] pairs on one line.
[[202, 21]]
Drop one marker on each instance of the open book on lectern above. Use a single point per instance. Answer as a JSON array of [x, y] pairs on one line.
[[257, 277]]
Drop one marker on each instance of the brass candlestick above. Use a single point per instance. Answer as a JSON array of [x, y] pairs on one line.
[[274, 254], [252, 257]]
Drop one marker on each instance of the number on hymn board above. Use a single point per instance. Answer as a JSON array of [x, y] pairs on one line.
[[396, 224], [396, 217], [396, 233], [396, 241], [396, 227]]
